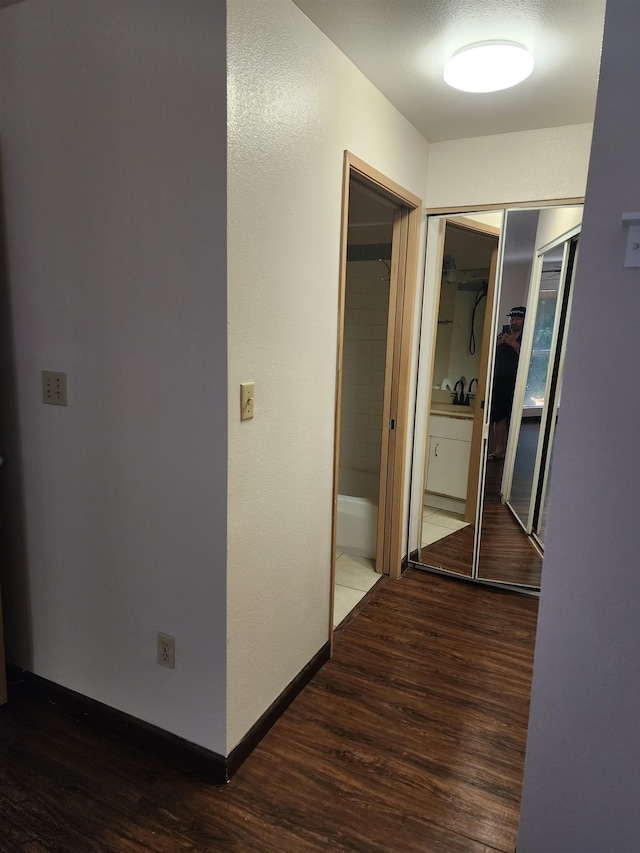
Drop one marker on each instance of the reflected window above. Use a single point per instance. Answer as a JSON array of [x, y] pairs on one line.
[[538, 368]]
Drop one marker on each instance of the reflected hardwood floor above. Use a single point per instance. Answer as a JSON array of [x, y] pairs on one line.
[[411, 738], [453, 553], [506, 553]]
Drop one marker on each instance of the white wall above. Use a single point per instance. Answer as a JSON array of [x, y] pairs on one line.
[[113, 146], [514, 288], [556, 223], [582, 772], [295, 104], [510, 168]]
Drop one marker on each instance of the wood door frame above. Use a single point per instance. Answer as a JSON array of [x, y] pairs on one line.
[[403, 283]]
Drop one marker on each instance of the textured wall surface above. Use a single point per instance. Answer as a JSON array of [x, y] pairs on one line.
[[582, 772], [295, 104], [534, 165], [114, 162]]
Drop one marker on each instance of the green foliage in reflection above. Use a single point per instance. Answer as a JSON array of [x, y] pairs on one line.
[[539, 364]]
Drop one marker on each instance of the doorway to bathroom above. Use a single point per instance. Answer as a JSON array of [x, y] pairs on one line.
[[379, 248]]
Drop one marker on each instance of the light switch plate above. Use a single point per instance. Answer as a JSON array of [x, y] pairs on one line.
[[247, 393], [54, 388]]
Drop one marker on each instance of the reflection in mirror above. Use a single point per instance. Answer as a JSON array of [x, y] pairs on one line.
[[452, 455], [522, 508], [462, 483], [529, 433], [537, 511], [505, 554]]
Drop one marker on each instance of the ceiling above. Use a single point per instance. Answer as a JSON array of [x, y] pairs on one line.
[[402, 45]]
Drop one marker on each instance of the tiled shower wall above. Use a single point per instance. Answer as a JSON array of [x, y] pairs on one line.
[[365, 341]]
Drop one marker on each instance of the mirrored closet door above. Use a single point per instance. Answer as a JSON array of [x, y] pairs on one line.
[[479, 266], [527, 477], [468, 248]]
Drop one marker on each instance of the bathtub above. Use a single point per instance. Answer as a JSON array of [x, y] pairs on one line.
[[357, 512]]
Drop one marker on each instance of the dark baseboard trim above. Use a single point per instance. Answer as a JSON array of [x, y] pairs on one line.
[[177, 751], [183, 754], [259, 729]]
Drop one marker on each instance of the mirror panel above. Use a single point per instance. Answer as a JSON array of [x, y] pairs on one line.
[[544, 319], [554, 389], [451, 468], [504, 553], [466, 527], [521, 491]]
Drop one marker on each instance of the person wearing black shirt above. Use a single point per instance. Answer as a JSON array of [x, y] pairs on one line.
[[504, 379]]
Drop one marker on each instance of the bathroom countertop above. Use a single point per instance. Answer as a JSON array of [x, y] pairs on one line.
[[451, 411]]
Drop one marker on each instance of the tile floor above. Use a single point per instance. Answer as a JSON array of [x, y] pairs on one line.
[[356, 575], [438, 523], [354, 578]]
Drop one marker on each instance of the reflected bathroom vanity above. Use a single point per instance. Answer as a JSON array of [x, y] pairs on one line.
[[447, 475]]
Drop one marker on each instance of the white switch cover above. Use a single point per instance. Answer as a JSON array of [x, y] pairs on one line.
[[246, 400]]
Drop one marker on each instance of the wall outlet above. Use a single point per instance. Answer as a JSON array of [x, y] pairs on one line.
[[54, 387], [166, 651]]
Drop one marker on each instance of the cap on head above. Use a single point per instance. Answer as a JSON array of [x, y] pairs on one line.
[[518, 311]]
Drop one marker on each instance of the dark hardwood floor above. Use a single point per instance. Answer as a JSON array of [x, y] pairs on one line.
[[410, 739], [506, 552]]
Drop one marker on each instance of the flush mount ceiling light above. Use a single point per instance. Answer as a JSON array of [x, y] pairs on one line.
[[488, 67]]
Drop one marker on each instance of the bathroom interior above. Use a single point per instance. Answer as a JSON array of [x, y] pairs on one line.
[[366, 317]]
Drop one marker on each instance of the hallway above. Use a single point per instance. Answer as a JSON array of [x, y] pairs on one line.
[[411, 738]]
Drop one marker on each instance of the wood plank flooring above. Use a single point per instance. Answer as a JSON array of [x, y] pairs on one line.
[[506, 552], [410, 739]]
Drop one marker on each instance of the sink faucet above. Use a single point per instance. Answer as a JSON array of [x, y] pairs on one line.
[[459, 398], [466, 401]]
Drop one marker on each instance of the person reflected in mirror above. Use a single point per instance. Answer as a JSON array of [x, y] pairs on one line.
[[504, 379]]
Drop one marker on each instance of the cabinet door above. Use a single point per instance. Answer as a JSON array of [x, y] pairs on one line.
[[448, 466]]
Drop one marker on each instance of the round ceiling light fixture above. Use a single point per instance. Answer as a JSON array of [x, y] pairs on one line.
[[488, 66]]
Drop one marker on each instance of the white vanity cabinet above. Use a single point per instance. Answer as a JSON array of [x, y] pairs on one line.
[[449, 453]]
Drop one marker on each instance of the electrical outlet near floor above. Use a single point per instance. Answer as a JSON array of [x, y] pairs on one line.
[[166, 650]]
